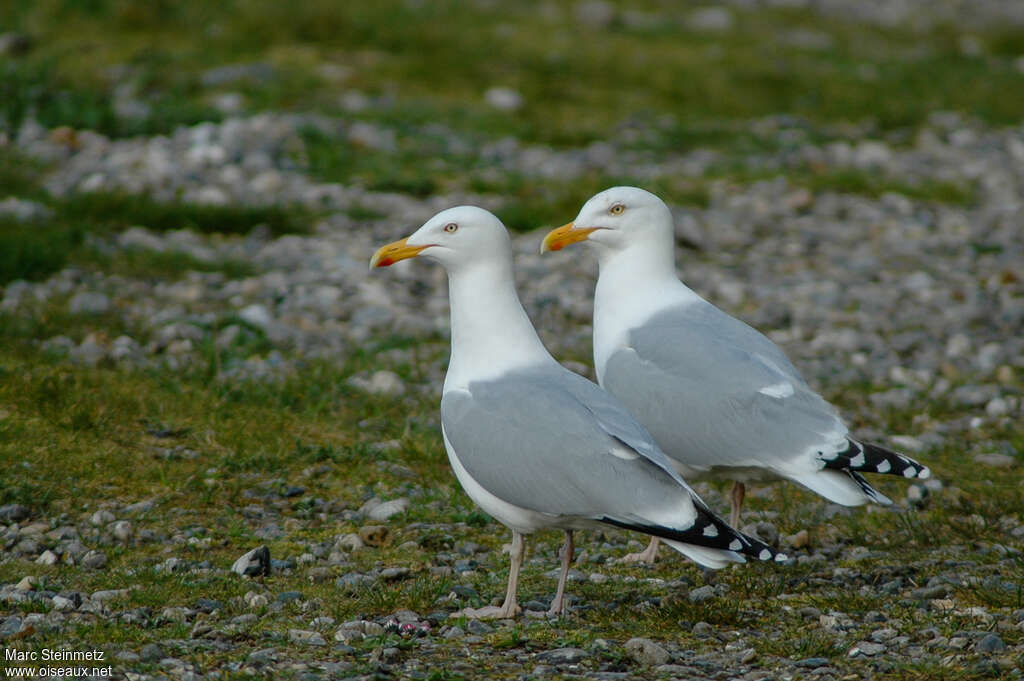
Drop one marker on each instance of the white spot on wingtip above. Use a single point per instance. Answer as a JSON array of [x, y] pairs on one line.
[[710, 531], [924, 473], [735, 545], [884, 467], [858, 461], [909, 472], [781, 558], [779, 390], [765, 554]]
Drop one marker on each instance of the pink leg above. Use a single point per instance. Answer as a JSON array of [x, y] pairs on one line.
[[567, 551]]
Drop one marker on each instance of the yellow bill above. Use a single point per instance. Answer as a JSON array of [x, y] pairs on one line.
[[557, 239], [391, 253]]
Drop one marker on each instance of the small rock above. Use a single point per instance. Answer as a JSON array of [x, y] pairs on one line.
[[101, 518], [866, 648], [595, 13], [710, 19], [800, 540], [703, 630], [813, 662], [991, 643], [454, 632], [504, 99], [382, 512], [12, 626], [253, 563], [26, 584], [94, 560], [257, 315], [375, 535], [20, 209], [563, 656], [702, 594], [151, 652], [394, 574], [647, 652], [48, 557], [89, 302], [122, 530], [350, 541], [883, 635], [13, 513], [995, 460], [305, 637], [382, 382], [479, 628]]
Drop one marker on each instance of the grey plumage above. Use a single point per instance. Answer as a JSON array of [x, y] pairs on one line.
[[551, 441]]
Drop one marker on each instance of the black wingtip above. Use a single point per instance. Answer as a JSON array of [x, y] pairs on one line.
[[868, 458], [710, 531]]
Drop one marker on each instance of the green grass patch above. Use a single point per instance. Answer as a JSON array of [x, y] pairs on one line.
[[435, 60]]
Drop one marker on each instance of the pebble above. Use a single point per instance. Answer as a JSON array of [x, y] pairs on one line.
[[563, 656], [702, 594], [647, 652], [90, 303], [866, 648], [381, 382], [995, 460], [253, 563], [386, 510], [991, 643], [93, 560], [305, 637]]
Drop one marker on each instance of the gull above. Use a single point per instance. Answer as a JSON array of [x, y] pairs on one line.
[[720, 398], [533, 444]]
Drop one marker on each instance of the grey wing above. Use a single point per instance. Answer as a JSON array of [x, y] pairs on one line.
[[716, 393], [530, 440]]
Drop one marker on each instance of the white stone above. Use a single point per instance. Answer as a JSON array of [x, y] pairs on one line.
[[504, 99]]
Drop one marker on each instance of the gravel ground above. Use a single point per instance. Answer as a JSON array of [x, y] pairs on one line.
[[907, 302], [919, 299]]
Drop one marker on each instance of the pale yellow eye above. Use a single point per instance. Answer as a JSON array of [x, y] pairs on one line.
[[617, 209], [451, 227]]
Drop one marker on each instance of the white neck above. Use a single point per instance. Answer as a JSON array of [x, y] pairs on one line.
[[635, 283], [491, 333]]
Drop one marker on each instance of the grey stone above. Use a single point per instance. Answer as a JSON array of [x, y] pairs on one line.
[[702, 594], [387, 509], [152, 652], [504, 99], [381, 382], [595, 13], [13, 513], [991, 643], [22, 209], [563, 656], [94, 560], [394, 574], [647, 652], [710, 19], [253, 563], [866, 648], [11, 626], [305, 637], [88, 302]]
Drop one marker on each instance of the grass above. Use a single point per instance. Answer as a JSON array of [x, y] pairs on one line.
[[37, 249], [436, 59], [76, 439]]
